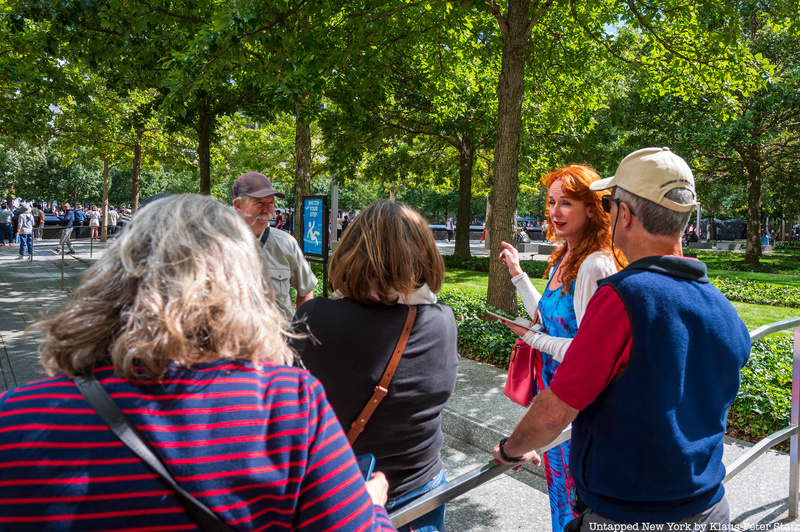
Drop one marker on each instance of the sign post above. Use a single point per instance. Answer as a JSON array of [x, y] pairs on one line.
[[334, 211], [315, 234]]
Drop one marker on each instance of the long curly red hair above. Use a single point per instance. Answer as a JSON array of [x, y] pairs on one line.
[[596, 233]]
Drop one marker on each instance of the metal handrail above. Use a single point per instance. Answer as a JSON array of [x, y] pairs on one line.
[[791, 432], [771, 328], [446, 493], [91, 240], [468, 481], [757, 450], [460, 485]]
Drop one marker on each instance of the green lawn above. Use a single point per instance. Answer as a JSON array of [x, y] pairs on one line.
[[753, 316], [476, 282], [468, 280]]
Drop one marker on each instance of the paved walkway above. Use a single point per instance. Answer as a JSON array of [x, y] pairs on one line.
[[29, 288], [476, 417]]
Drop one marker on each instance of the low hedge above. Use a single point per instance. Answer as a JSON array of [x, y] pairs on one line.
[[534, 269], [765, 396], [746, 291], [486, 341]]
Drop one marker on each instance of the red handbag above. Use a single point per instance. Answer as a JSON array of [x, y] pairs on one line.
[[523, 368]]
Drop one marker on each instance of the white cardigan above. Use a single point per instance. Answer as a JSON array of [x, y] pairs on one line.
[[596, 266]]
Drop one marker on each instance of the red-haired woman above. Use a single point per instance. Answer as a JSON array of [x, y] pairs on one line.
[[575, 218]]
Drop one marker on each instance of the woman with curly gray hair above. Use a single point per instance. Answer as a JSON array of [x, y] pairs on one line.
[[176, 322]]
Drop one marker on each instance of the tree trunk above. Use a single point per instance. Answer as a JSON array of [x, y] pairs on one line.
[[103, 228], [205, 127], [783, 223], [505, 187], [136, 166], [711, 227], [466, 159], [392, 192], [487, 224], [753, 250], [302, 171], [75, 190]]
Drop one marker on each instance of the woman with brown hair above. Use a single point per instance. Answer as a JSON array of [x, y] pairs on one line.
[[178, 325], [386, 267], [94, 220], [576, 218]]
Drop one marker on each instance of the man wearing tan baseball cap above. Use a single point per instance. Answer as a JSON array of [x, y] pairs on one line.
[[254, 200], [651, 372], [650, 174]]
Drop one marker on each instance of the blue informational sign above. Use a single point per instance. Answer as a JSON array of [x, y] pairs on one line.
[[315, 224]]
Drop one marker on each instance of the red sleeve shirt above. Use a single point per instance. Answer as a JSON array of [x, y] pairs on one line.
[[597, 354], [261, 447]]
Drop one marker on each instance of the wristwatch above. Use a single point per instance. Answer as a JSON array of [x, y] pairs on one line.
[[505, 457]]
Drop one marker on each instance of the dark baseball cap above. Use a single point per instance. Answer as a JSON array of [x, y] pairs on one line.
[[254, 184]]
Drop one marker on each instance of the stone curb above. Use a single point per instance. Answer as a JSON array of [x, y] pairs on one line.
[[481, 435]]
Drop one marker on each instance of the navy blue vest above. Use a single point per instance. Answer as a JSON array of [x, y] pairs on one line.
[[649, 448]]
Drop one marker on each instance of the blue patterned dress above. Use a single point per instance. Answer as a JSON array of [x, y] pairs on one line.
[[558, 319]]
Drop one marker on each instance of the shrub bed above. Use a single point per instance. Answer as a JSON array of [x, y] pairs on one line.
[[485, 341], [534, 269], [746, 291], [765, 397]]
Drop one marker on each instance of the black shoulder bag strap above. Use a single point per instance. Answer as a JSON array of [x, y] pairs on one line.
[[126, 431], [264, 237]]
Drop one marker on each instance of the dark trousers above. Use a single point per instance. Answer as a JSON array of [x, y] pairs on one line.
[[5, 233], [78, 226], [589, 520]]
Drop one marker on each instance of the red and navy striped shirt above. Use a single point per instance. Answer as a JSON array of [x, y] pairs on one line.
[[261, 448]]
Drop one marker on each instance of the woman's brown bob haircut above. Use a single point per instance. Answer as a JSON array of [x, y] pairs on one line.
[[386, 251]]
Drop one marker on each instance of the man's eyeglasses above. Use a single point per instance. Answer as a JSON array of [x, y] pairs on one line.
[[608, 200]]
